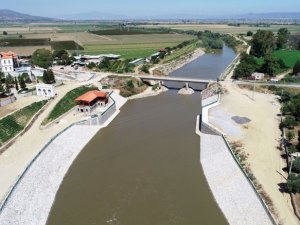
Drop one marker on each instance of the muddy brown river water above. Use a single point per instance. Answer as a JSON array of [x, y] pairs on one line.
[[143, 169]]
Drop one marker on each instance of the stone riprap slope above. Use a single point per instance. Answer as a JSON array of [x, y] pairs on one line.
[[31, 200], [231, 189]]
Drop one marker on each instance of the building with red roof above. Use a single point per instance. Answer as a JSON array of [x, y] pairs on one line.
[[8, 60], [91, 100]]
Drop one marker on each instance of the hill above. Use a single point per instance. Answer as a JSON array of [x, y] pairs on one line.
[[12, 16]]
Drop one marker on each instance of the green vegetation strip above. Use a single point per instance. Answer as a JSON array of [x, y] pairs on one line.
[[14, 123], [15, 42], [179, 53], [65, 45], [67, 103], [129, 31]]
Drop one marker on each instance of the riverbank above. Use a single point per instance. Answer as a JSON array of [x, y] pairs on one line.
[[166, 69], [260, 138], [33, 195], [149, 92]]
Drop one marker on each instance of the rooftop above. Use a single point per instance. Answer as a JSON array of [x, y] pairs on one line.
[[91, 96]]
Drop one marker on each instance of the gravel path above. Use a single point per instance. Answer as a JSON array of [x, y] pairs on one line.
[[233, 193], [31, 201]]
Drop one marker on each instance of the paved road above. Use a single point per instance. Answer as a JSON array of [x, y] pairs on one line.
[[292, 85]]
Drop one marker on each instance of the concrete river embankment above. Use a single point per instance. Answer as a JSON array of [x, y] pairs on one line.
[[144, 168]]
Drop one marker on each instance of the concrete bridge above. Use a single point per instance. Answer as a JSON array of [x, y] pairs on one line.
[[175, 79]]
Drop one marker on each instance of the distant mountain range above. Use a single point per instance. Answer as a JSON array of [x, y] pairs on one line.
[[9, 15], [93, 16]]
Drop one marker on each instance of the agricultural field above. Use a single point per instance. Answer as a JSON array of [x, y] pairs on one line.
[[20, 42], [289, 57], [14, 123], [128, 46], [65, 45], [224, 28], [127, 32], [66, 103], [133, 46]]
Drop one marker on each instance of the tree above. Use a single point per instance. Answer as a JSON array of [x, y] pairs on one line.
[[1, 87], [22, 82], [59, 53], [16, 84], [26, 77], [7, 86], [296, 165], [289, 122], [290, 136], [42, 58], [296, 68], [246, 67], [48, 77], [4, 32], [298, 145], [263, 43], [9, 79], [145, 68], [271, 65], [249, 33], [20, 36], [282, 37]]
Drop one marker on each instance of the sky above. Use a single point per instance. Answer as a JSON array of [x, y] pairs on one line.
[[52, 8]]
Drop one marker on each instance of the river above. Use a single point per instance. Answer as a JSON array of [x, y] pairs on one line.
[[144, 168]]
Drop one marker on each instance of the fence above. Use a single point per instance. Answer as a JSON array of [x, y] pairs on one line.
[[7, 101]]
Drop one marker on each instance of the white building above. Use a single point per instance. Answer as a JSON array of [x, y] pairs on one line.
[[45, 90], [7, 61], [258, 76]]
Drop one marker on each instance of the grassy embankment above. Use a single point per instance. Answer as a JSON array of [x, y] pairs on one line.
[[179, 53], [66, 103], [14, 123]]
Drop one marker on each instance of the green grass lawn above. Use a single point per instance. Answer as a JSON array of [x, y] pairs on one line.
[[14, 123], [66, 103], [289, 58]]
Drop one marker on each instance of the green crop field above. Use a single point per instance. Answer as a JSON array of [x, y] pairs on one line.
[[66, 103], [13, 124], [132, 46], [288, 56], [127, 32], [15, 42]]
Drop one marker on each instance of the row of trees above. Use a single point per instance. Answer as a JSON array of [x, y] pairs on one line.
[[264, 42], [44, 58], [263, 45], [6, 83]]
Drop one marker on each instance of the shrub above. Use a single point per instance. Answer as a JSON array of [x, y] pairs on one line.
[[293, 183], [289, 122], [296, 165]]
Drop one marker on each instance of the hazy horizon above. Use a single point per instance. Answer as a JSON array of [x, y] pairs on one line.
[[154, 8]]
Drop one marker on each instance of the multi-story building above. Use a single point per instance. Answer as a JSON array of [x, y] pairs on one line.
[[8, 61]]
